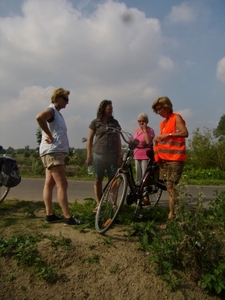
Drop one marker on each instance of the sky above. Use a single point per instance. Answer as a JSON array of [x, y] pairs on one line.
[[130, 52]]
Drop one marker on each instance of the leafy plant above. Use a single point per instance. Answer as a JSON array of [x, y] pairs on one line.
[[215, 281], [23, 249], [193, 243], [91, 259]]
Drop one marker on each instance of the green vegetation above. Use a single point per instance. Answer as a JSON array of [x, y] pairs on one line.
[[205, 158], [23, 249], [192, 243], [190, 248]]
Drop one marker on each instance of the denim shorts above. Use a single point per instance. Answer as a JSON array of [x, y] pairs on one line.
[[53, 159], [104, 163]]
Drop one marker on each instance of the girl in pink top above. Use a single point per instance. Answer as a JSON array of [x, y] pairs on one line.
[[144, 134]]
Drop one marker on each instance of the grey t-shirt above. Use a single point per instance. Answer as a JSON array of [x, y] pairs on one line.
[[105, 141]]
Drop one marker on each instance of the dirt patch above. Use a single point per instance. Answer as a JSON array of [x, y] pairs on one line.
[[95, 267]]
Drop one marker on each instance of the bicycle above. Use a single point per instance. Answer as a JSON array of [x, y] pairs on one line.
[[116, 190], [9, 175]]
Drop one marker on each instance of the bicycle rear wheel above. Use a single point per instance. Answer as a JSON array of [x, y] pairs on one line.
[[3, 192], [155, 196], [111, 202], [150, 189]]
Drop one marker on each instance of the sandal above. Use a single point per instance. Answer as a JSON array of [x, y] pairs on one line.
[[163, 226], [145, 201], [170, 217], [95, 209], [115, 207]]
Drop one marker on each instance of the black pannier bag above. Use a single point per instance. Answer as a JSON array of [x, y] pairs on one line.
[[10, 175]]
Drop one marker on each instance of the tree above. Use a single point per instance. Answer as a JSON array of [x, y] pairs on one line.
[[204, 152], [10, 151], [201, 153], [219, 132], [38, 135]]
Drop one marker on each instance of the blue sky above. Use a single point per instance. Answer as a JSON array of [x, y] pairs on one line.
[[128, 51]]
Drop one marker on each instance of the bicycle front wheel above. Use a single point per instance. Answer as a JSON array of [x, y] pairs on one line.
[[111, 202], [3, 192]]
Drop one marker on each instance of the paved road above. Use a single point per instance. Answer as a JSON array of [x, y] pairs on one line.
[[31, 189]]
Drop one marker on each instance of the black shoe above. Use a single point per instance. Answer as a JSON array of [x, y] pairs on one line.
[[72, 221], [53, 218], [129, 199]]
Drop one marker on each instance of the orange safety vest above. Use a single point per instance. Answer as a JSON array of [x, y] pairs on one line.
[[170, 148]]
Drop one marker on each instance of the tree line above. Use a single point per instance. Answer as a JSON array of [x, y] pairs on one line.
[[205, 151]]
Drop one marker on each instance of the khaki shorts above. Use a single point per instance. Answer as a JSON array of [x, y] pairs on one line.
[[53, 159], [171, 170]]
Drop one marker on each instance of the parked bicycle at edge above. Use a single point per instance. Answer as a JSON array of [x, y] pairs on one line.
[[9, 175], [122, 186]]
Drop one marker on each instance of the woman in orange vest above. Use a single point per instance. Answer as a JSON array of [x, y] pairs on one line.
[[170, 148]]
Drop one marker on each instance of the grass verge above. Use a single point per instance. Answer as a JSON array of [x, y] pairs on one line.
[[191, 246]]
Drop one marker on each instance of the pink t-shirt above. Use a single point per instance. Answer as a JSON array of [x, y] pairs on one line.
[[140, 152]]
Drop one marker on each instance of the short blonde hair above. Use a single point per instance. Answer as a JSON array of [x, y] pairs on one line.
[[144, 116], [59, 92], [162, 102]]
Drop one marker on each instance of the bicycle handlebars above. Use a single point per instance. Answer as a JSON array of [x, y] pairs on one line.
[[133, 143], [129, 140]]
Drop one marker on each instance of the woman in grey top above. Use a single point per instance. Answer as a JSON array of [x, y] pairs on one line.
[[106, 147]]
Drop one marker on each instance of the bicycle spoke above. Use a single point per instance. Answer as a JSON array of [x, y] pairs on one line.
[[149, 190], [155, 196], [111, 202]]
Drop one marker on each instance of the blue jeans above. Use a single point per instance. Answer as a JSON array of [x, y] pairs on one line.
[[104, 162]]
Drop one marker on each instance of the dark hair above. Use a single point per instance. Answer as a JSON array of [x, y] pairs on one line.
[[102, 108]]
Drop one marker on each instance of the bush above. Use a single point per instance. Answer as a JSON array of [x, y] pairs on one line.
[[192, 244]]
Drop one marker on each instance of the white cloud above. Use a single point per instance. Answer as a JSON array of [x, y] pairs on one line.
[[184, 13], [166, 63], [112, 53], [185, 113], [189, 63], [105, 52], [220, 72]]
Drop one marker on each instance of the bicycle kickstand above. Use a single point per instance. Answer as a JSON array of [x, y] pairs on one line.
[[137, 210]]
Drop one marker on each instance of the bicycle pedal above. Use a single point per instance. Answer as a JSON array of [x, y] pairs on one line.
[[139, 216]]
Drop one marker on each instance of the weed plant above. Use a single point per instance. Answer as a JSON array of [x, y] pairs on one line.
[[192, 244], [191, 247], [23, 250]]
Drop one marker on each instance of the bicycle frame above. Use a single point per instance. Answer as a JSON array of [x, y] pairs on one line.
[[116, 189], [151, 174]]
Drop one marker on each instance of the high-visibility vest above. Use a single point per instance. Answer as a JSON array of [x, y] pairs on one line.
[[171, 148]]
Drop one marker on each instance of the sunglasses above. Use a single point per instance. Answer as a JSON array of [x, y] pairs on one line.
[[158, 110], [65, 99], [141, 121]]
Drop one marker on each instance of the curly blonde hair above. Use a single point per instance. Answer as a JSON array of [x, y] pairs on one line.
[[59, 92]]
